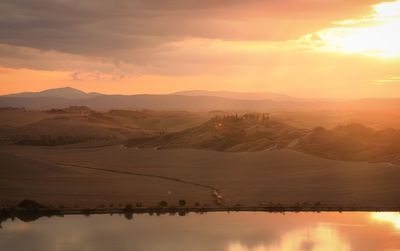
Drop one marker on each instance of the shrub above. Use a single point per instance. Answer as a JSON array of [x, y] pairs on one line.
[[30, 205], [128, 207], [163, 203], [182, 203]]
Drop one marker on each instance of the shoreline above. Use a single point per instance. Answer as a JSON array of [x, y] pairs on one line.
[[33, 214], [30, 210]]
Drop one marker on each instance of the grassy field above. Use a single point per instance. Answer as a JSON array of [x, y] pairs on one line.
[[114, 175]]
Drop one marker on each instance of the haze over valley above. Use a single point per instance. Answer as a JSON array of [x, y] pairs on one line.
[[188, 145]]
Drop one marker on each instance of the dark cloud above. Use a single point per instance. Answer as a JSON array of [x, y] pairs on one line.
[[92, 26], [140, 32]]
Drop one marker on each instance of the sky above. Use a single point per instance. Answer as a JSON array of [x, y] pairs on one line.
[[303, 48]]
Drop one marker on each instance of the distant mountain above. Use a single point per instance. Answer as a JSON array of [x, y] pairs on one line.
[[64, 97], [65, 92], [144, 101], [239, 95]]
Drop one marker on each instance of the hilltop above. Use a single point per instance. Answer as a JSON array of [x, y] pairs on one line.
[[254, 132], [247, 132]]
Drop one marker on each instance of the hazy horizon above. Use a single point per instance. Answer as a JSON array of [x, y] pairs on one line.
[[207, 93]]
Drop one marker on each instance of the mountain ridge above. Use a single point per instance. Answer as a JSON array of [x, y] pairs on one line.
[[65, 97], [62, 92]]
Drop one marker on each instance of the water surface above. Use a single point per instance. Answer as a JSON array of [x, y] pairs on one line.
[[242, 231]]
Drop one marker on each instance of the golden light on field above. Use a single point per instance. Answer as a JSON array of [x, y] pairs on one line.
[[387, 217], [373, 35]]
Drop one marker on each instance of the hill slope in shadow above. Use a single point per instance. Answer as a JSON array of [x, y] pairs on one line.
[[351, 142]]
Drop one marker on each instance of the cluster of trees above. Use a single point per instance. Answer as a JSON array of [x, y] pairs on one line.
[[129, 206]]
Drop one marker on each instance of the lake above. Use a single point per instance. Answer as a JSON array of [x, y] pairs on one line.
[[239, 231]]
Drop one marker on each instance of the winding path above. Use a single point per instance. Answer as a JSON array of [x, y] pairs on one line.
[[218, 197]]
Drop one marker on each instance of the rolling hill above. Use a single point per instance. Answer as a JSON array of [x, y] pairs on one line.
[[79, 124], [252, 132]]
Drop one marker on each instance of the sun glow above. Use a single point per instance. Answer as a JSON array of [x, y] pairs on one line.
[[374, 35], [388, 9]]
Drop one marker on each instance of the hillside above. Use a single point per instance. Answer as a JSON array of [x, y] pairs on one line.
[[220, 131], [253, 132], [248, 132], [78, 124], [353, 142]]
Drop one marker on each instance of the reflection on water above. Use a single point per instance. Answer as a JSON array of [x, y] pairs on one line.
[[211, 231], [319, 238], [392, 218]]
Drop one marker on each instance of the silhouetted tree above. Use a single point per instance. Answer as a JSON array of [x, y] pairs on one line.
[[182, 203], [163, 203], [128, 207]]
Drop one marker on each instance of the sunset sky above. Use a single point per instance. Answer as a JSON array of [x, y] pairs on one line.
[[304, 48]]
